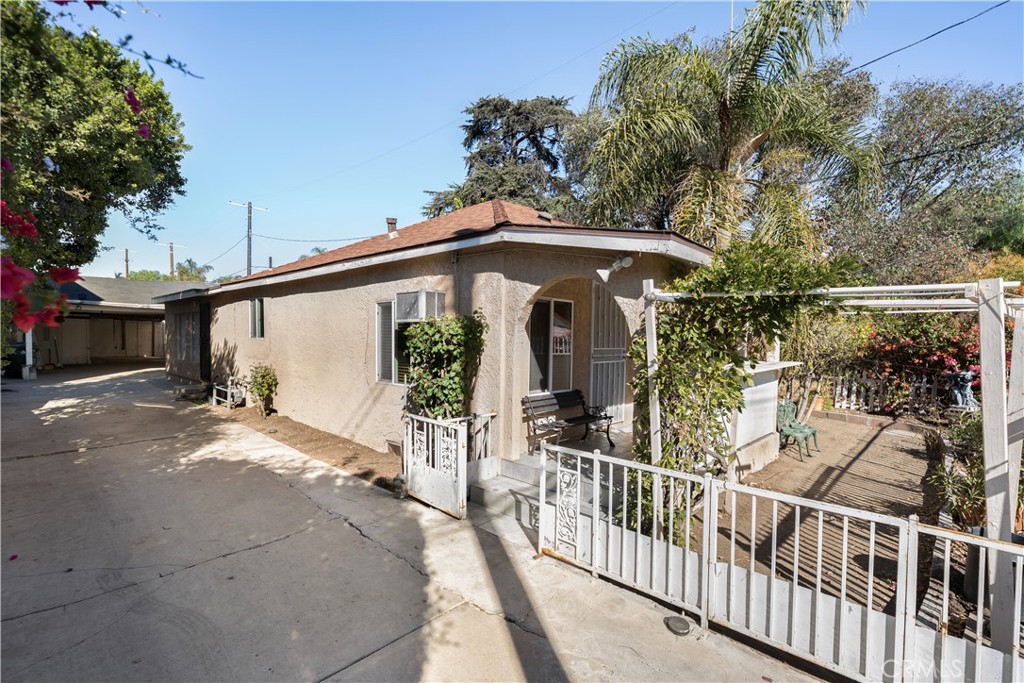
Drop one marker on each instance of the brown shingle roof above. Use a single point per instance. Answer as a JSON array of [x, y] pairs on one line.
[[475, 219]]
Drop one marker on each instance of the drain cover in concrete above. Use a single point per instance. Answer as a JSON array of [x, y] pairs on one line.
[[678, 625]]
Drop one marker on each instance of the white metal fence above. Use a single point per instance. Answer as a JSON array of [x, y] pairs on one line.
[[831, 584], [441, 457]]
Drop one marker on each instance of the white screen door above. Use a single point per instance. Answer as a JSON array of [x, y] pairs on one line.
[[608, 354]]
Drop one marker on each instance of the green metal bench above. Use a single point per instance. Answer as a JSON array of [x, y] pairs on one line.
[[791, 428]]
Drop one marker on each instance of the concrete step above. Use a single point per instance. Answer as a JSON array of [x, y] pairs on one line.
[[526, 468], [507, 496], [519, 499]]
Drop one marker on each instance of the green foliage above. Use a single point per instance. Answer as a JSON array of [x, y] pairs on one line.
[[705, 343], [962, 482], [262, 385], [719, 139], [827, 345], [63, 100], [190, 271], [148, 275], [515, 151], [949, 183], [444, 355]]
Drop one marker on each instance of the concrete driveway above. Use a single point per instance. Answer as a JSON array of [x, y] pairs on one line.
[[147, 539]]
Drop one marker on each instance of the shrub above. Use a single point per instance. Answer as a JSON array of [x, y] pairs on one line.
[[262, 385], [444, 355]]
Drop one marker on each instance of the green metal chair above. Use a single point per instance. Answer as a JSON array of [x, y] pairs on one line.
[[790, 427]]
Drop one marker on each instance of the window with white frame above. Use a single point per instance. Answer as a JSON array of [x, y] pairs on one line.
[[393, 320], [256, 318], [551, 346]]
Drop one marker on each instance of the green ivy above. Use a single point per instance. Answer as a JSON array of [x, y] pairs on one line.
[[705, 342], [262, 385], [444, 355]]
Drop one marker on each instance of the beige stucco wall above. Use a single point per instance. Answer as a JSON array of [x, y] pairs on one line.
[[506, 283], [320, 335]]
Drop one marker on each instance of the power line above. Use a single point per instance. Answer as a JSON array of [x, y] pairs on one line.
[[289, 239], [225, 252], [937, 152], [918, 42], [460, 120]]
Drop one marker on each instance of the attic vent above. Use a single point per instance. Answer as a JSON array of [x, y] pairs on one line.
[[545, 215]]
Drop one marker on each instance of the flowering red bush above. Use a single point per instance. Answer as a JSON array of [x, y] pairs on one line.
[[922, 344]]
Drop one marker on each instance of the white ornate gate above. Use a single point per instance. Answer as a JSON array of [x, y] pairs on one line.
[[434, 461], [441, 457], [608, 354]]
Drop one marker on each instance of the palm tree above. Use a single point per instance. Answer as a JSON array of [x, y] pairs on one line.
[[719, 139], [189, 269]]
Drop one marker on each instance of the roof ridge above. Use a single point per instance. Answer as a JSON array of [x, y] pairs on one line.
[[500, 216]]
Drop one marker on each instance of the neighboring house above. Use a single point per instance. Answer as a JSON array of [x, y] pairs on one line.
[[332, 325], [108, 318]]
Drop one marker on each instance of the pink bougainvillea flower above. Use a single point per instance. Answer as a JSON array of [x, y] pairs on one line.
[[62, 2], [6, 165], [49, 316], [13, 278], [92, 4], [24, 320], [143, 131], [133, 101], [23, 317], [17, 225], [63, 274]]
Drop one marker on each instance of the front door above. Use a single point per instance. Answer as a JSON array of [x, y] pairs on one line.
[[608, 354]]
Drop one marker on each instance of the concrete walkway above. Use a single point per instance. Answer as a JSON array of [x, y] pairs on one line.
[[147, 539]]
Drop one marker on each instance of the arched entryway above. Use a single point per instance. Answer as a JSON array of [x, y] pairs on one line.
[[576, 336]]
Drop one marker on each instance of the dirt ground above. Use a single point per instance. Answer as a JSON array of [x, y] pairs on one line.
[[878, 469], [356, 459]]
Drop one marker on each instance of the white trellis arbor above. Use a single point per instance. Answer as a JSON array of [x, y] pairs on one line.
[[1002, 407]]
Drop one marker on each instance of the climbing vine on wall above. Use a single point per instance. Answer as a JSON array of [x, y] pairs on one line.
[[705, 342], [444, 354]]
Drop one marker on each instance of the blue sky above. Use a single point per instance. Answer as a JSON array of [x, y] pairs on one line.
[[336, 115]]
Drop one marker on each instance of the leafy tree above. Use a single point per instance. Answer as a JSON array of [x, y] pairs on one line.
[[84, 131], [78, 149], [150, 275], [717, 139], [949, 183], [514, 153], [189, 270]]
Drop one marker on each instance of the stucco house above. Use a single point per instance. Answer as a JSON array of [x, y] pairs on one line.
[[561, 302]]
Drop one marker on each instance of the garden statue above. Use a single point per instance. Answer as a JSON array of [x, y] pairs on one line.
[[963, 396]]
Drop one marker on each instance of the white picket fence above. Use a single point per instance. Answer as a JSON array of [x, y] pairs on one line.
[[860, 391], [831, 584]]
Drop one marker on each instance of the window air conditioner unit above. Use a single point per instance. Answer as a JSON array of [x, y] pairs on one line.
[[411, 307]]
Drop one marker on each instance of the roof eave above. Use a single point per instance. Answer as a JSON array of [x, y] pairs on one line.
[[662, 243]]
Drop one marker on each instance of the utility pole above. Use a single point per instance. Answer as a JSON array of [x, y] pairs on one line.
[[126, 263], [270, 262], [170, 245], [248, 232]]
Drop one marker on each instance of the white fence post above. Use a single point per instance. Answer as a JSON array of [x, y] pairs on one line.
[[543, 496], [906, 604], [710, 547], [999, 503]]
